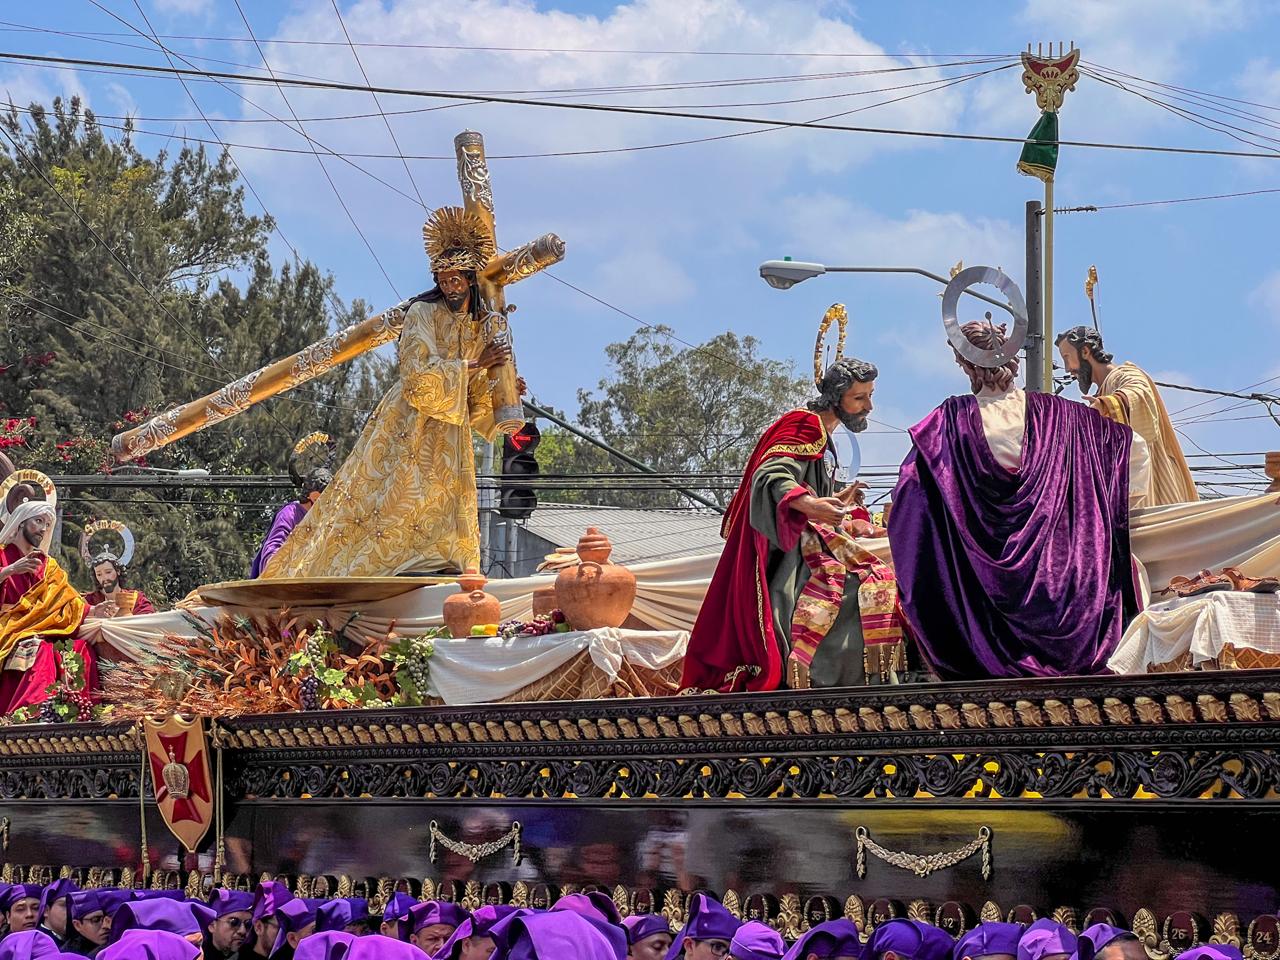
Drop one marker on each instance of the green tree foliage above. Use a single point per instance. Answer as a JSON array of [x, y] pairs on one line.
[[680, 410], [85, 346]]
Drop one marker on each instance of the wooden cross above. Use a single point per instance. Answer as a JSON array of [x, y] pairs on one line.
[[320, 357]]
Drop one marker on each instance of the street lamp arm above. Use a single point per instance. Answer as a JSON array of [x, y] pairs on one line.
[[924, 273]]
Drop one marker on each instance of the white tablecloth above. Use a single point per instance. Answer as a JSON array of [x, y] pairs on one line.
[[481, 669], [1201, 626]]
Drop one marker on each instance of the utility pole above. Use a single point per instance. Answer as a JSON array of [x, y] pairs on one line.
[[488, 497], [1049, 77], [1036, 345]]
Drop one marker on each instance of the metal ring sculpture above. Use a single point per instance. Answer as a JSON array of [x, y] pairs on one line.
[[33, 477], [950, 301], [836, 314], [111, 526]]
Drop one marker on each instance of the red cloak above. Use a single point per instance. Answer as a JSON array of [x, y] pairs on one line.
[[733, 645]]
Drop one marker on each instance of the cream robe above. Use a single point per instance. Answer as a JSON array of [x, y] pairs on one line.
[[405, 499], [1128, 396], [1004, 421]]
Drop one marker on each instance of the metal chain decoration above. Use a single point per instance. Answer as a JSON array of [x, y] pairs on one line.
[[924, 865], [475, 852]]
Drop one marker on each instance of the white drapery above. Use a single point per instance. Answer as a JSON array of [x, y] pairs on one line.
[[1170, 541]]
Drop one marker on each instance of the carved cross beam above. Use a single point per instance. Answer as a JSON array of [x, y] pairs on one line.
[[322, 356]]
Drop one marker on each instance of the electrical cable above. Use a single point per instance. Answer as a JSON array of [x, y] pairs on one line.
[[394, 142], [636, 111]]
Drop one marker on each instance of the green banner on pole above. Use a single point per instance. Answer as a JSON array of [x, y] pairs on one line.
[[1040, 156]]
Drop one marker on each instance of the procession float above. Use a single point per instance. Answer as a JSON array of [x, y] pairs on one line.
[[379, 727]]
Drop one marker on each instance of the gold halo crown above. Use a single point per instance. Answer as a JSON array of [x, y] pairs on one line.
[[457, 240]]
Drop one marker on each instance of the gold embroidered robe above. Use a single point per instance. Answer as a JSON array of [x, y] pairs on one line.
[[405, 499], [1129, 396]]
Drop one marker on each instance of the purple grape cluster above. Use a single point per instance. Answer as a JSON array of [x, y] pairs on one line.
[[539, 626], [310, 693]]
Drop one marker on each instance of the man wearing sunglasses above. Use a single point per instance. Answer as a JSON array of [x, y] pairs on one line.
[[232, 922]]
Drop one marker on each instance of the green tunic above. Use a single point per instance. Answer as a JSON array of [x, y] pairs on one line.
[[839, 659]]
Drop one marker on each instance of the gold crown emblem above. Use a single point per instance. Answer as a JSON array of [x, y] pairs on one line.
[[177, 779], [457, 240]]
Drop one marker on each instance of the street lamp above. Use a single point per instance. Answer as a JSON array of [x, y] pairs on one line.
[[785, 274]]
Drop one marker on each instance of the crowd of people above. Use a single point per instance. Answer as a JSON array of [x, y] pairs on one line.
[[62, 921]]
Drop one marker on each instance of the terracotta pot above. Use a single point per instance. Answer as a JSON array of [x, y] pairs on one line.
[[544, 599], [595, 593], [471, 607], [1273, 471]]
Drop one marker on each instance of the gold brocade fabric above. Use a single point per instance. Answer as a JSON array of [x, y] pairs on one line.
[[405, 499], [51, 608], [1129, 397], [581, 679]]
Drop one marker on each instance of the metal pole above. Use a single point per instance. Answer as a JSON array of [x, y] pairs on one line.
[[487, 495], [538, 411], [1037, 347], [1048, 286]]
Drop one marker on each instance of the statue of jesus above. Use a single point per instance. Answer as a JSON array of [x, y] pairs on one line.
[[405, 499]]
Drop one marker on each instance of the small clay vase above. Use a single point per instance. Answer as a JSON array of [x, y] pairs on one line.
[[1272, 470], [544, 599], [471, 607], [595, 593]]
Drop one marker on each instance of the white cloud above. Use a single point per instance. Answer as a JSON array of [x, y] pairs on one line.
[[935, 241], [185, 7], [924, 238], [1265, 297], [643, 277]]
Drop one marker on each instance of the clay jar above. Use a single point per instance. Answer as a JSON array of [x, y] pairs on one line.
[[544, 599], [595, 593], [472, 607]]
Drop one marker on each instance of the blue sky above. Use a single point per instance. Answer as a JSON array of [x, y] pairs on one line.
[[1191, 292]]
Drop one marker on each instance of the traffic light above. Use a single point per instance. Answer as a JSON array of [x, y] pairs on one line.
[[516, 500]]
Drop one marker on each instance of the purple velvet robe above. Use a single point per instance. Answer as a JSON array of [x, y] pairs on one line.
[[1015, 573], [286, 519]]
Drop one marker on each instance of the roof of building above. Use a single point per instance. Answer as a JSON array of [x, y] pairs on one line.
[[637, 535]]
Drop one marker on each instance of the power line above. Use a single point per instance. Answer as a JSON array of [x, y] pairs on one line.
[[1203, 402], [323, 169], [495, 49], [179, 72], [1096, 207], [195, 103], [638, 111], [1202, 93], [1197, 100], [394, 142], [574, 92], [240, 173], [300, 131], [1200, 120], [936, 86]]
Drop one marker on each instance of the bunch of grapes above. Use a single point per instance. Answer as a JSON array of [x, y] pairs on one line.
[[539, 626], [83, 704], [49, 713], [420, 649], [310, 693], [315, 649]]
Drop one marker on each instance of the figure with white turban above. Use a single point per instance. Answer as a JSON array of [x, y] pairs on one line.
[[38, 605]]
